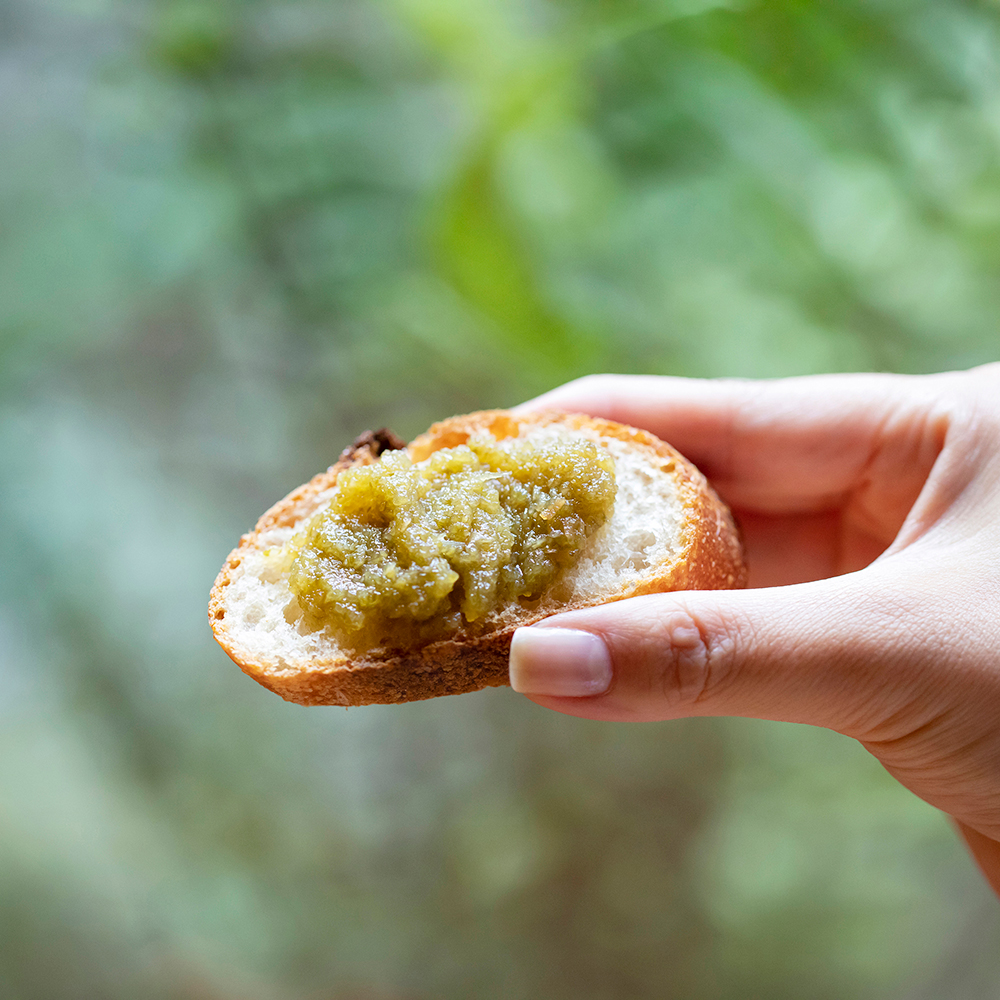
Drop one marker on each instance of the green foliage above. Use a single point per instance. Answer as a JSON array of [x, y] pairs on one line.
[[236, 234], [192, 39]]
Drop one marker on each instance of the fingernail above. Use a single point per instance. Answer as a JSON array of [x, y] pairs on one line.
[[560, 662]]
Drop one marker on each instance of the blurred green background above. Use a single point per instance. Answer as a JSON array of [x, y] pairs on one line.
[[233, 235]]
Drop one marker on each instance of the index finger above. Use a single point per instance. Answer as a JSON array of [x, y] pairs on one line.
[[780, 446]]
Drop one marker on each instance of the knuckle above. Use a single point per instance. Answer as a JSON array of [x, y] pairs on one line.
[[699, 658]]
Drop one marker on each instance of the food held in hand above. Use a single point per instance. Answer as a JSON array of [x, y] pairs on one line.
[[402, 572]]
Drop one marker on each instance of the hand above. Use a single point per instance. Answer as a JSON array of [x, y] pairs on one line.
[[870, 506]]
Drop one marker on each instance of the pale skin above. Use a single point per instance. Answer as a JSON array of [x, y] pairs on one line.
[[870, 509]]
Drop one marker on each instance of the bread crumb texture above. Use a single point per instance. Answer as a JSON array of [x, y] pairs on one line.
[[666, 531]]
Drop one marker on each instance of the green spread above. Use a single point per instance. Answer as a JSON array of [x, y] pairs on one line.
[[412, 551]]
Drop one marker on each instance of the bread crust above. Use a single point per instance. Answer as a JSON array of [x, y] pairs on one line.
[[710, 558]]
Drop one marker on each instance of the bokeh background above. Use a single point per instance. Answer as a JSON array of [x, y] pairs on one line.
[[233, 235]]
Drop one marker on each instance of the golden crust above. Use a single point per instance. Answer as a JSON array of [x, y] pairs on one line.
[[711, 558]]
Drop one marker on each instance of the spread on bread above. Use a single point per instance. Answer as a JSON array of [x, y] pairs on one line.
[[408, 551]]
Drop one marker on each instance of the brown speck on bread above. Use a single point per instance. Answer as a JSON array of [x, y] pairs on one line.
[[373, 442]]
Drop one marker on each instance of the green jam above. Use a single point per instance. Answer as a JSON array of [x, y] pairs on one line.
[[413, 551]]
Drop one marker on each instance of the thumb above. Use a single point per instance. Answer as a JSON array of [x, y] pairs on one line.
[[853, 653]]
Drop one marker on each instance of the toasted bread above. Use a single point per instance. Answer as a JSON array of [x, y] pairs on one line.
[[668, 531]]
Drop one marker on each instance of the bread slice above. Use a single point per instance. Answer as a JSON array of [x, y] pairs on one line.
[[668, 531]]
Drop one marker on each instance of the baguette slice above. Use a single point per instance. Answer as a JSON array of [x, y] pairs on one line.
[[668, 531]]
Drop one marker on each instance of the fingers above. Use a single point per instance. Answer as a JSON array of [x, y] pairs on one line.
[[902, 655], [788, 445], [909, 670], [855, 654]]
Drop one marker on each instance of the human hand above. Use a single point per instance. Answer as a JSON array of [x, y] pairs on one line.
[[870, 507]]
